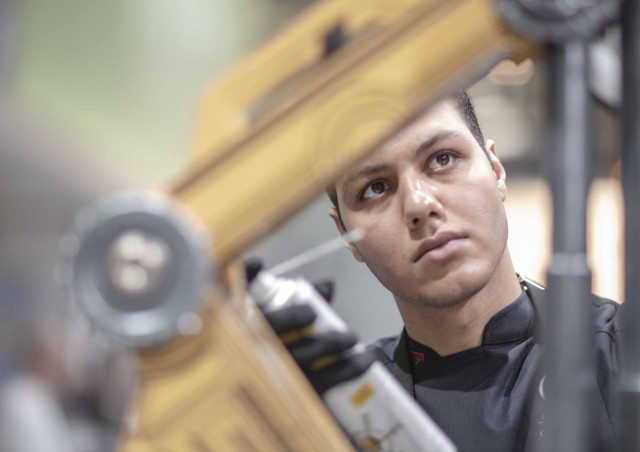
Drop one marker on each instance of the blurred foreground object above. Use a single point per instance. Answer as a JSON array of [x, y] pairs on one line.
[[567, 28], [339, 81], [139, 267], [32, 418]]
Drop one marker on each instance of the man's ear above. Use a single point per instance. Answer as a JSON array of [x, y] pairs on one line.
[[498, 169], [333, 213]]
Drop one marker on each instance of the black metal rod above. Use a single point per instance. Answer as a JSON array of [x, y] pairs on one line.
[[629, 384], [568, 344]]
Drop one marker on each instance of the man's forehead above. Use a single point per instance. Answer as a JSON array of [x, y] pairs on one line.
[[441, 120], [443, 115]]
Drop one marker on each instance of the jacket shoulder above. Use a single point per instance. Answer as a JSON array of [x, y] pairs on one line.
[[605, 311], [606, 316], [384, 348]]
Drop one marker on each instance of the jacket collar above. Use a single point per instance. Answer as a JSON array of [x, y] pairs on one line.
[[397, 351]]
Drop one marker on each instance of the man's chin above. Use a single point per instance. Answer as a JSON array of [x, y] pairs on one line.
[[448, 301], [444, 294]]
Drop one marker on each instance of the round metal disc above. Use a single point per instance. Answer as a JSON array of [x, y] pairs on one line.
[[140, 265]]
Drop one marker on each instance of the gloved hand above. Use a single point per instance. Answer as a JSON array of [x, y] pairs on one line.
[[324, 357]]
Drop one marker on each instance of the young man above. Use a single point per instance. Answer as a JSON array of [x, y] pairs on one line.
[[430, 202]]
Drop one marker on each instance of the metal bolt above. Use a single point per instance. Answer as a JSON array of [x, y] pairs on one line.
[[137, 262]]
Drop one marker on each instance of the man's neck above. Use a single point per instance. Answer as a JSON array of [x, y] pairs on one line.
[[460, 327]]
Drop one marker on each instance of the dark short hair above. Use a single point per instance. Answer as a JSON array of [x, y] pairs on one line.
[[465, 108]]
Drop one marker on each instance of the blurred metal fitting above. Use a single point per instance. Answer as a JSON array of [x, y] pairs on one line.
[[558, 20], [139, 264]]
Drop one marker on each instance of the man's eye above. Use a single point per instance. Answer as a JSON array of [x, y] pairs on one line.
[[441, 160], [373, 190]]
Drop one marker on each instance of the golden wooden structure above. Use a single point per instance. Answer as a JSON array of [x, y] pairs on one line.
[[271, 134]]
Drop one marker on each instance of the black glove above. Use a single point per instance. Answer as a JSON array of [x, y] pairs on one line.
[[321, 356]]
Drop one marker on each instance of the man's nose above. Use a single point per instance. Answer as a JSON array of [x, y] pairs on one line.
[[420, 202]]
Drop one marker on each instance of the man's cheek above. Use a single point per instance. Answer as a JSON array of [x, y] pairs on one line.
[[379, 238], [374, 247]]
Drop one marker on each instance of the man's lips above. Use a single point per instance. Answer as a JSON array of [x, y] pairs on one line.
[[434, 242]]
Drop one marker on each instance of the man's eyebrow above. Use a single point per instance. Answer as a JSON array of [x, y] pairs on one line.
[[435, 139], [364, 172]]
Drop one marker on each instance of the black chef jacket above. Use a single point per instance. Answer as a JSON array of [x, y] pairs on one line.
[[483, 398]]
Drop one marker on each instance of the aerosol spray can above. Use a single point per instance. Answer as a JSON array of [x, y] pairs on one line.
[[376, 412]]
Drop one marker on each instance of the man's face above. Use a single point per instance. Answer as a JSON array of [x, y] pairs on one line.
[[431, 205]]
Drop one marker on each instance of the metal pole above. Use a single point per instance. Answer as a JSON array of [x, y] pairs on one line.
[[568, 343], [630, 376]]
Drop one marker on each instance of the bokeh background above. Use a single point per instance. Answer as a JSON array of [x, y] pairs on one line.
[[101, 96]]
